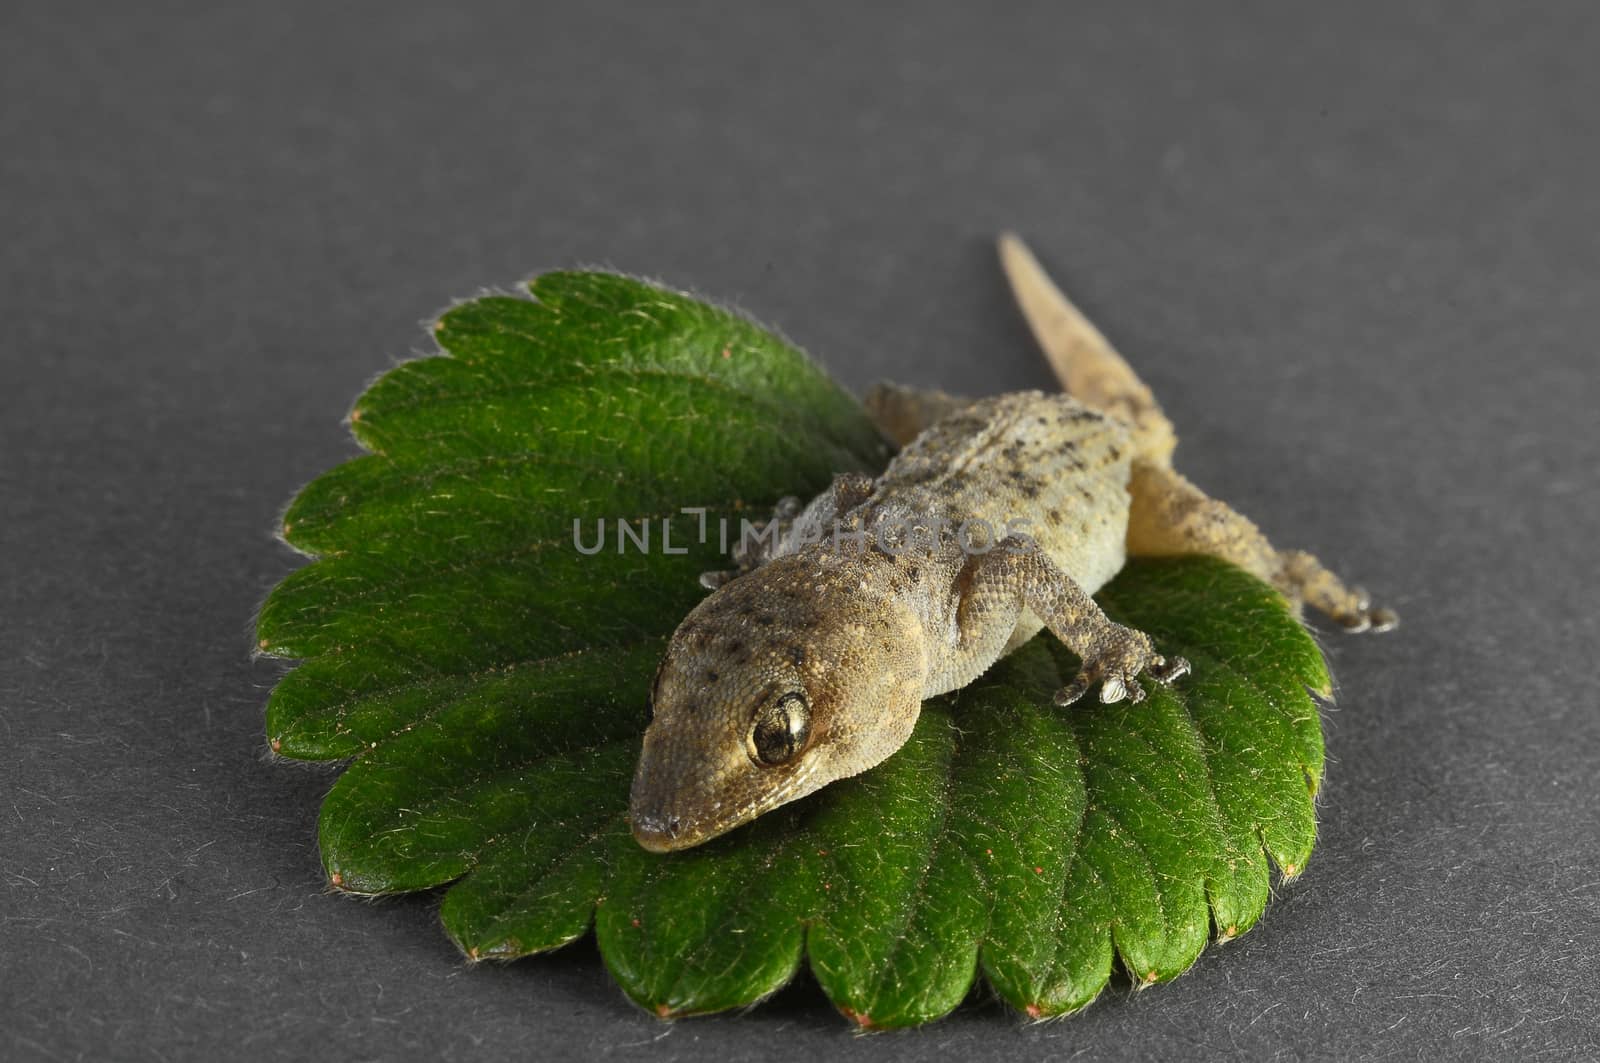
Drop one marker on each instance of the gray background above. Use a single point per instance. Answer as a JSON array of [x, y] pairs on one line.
[[1353, 247]]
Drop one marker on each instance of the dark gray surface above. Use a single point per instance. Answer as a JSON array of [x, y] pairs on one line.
[[1354, 248]]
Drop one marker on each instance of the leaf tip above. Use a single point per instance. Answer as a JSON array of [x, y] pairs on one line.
[[862, 1020]]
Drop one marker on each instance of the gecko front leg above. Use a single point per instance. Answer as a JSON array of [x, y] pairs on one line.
[[792, 525], [748, 554], [995, 587]]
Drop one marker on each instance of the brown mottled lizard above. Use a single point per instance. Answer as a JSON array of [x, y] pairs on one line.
[[999, 517]]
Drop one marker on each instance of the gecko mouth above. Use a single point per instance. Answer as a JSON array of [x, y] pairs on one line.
[[658, 835], [669, 834], [666, 830]]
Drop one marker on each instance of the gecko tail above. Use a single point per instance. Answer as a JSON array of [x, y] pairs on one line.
[[1089, 368]]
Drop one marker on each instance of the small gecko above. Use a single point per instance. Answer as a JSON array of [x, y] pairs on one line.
[[998, 517]]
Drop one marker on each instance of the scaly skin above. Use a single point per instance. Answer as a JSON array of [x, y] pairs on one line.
[[810, 663]]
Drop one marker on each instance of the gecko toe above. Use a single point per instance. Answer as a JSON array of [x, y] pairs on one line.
[[1167, 671], [1360, 615], [712, 580], [1073, 690], [1366, 618], [1383, 620], [1114, 689]]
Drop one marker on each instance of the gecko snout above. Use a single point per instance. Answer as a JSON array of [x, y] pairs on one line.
[[656, 834], [656, 824]]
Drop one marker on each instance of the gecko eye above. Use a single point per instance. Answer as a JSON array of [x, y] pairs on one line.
[[780, 730]]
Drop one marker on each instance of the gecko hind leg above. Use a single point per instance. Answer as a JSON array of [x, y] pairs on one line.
[[1170, 516], [1017, 574]]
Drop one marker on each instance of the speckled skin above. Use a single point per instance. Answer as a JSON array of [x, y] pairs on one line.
[[810, 663]]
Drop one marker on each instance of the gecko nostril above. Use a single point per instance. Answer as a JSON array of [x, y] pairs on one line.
[[672, 825]]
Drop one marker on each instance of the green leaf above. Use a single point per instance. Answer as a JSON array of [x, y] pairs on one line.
[[488, 683]]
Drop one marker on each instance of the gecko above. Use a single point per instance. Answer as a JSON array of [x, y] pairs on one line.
[[998, 517]]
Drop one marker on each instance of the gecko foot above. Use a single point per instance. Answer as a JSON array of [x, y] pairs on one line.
[[1117, 671], [1363, 616], [1168, 671]]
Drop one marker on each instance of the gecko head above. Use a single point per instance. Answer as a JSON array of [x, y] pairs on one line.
[[784, 680]]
